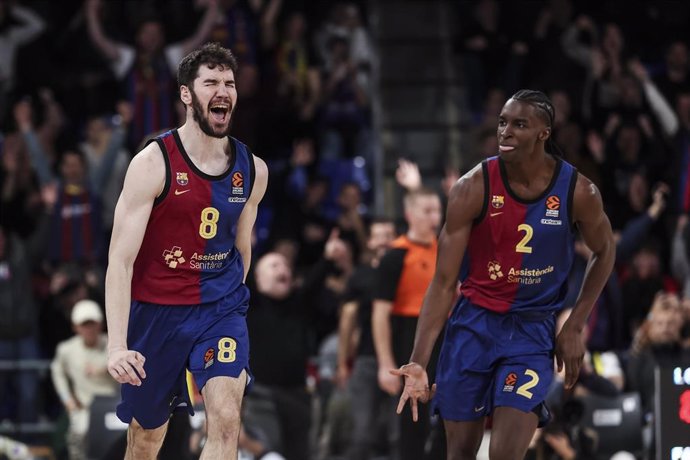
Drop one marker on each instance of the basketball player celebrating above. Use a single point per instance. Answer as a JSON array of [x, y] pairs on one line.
[[180, 252], [512, 219]]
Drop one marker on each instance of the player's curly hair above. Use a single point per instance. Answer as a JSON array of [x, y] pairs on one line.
[[211, 55]]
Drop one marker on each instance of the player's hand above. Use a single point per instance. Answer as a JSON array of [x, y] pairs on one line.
[[388, 382], [570, 349], [126, 366], [416, 387]]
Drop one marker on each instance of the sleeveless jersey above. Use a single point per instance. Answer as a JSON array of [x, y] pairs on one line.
[[188, 255], [520, 251]]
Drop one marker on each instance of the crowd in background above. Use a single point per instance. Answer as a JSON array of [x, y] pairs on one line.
[[84, 84]]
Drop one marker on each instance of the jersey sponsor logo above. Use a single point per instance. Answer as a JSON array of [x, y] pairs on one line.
[[212, 261], [180, 192], [494, 270], [509, 382], [528, 275], [551, 221], [173, 257], [236, 199], [237, 183], [182, 178], [208, 358], [497, 201], [494, 214], [553, 204]]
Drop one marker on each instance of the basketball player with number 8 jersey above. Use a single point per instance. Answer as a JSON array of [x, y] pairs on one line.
[[180, 251]]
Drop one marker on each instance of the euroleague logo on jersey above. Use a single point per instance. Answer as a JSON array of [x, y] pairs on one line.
[[509, 382], [553, 205], [237, 183], [208, 357]]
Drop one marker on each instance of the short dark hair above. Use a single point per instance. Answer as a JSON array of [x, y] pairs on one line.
[[211, 55]]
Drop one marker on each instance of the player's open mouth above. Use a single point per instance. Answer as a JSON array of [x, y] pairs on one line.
[[219, 112], [506, 148]]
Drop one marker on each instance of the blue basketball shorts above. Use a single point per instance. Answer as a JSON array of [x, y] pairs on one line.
[[209, 340], [490, 360]]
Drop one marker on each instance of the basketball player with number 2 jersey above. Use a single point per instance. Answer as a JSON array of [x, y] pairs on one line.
[[510, 223]]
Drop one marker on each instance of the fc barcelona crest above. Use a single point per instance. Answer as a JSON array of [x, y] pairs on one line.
[[497, 201], [182, 178]]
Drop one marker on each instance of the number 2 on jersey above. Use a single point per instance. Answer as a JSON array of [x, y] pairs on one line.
[[522, 245], [523, 390], [209, 222]]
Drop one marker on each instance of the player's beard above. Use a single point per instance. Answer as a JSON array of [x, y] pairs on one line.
[[205, 124]]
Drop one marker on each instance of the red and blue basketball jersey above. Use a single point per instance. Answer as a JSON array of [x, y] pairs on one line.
[[188, 255], [520, 251]]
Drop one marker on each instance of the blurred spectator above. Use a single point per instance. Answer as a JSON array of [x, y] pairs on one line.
[[284, 314], [18, 25], [345, 111], [147, 71], [107, 158], [350, 220], [18, 325], [293, 83], [79, 372], [675, 78], [20, 198], [357, 366], [642, 284], [236, 27], [345, 21], [657, 342], [491, 56], [77, 222], [403, 276]]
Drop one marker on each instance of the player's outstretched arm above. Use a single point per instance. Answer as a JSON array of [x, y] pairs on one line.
[[144, 181], [595, 228], [464, 206], [245, 224]]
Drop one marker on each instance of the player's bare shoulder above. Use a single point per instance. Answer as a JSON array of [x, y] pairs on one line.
[[260, 178], [146, 172], [466, 196], [587, 203]]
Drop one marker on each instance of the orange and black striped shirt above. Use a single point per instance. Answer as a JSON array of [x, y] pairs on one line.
[[404, 275]]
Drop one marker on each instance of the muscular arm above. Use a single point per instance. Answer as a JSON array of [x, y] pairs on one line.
[[464, 206], [243, 240], [594, 226], [144, 181]]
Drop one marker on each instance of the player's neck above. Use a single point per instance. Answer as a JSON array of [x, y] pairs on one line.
[[198, 144], [527, 168]]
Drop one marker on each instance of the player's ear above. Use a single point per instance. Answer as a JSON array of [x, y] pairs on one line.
[[545, 134], [185, 95]]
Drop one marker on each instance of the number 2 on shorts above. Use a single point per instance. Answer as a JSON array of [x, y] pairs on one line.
[[226, 350], [523, 390]]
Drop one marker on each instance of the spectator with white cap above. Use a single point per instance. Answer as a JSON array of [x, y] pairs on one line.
[[79, 372]]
